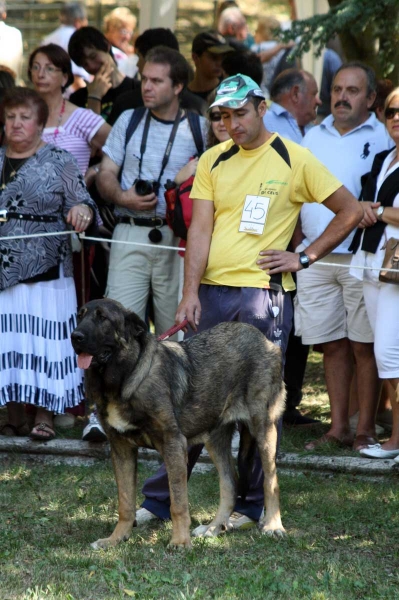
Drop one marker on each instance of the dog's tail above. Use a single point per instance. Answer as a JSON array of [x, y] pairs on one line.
[[245, 461]]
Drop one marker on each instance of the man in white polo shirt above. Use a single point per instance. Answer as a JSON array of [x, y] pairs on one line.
[[330, 308]]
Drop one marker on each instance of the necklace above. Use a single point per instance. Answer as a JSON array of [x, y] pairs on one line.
[[11, 167], [57, 130]]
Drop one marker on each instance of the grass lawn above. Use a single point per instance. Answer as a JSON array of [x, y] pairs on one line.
[[342, 538]]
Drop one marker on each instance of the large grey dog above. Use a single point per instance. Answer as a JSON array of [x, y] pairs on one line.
[[165, 395]]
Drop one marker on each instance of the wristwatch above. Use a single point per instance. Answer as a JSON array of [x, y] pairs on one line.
[[379, 212], [304, 259]]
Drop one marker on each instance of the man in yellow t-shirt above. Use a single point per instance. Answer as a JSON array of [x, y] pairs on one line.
[[247, 196]]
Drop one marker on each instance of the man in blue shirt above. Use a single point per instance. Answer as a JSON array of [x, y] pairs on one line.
[[295, 97]]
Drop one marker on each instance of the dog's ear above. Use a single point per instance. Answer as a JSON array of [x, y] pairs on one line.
[[134, 326]]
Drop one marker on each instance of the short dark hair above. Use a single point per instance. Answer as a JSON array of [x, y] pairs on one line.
[[158, 36], [285, 81], [179, 68], [368, 71], [245, 62], [58, 56], [22, 96], [71, 12], [87, 37]]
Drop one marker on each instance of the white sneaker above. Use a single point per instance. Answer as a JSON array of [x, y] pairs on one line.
[[93, 432], [240, 522], [144, 516]]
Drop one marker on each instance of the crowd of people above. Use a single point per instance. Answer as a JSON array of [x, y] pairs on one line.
[[107, 120]]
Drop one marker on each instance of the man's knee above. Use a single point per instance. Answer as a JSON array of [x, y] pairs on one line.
[[336, 348], [362, 351]]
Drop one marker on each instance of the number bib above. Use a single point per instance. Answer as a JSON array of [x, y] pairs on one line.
[[254, 214]]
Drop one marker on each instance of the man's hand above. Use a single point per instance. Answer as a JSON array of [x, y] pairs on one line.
[[131, 200], [279, 261], [190, 309], [102, 80], [369, 217]]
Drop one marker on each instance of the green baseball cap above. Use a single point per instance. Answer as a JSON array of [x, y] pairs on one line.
[[235, 91]]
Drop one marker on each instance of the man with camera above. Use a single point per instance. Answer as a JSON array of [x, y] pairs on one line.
[[133, 177]]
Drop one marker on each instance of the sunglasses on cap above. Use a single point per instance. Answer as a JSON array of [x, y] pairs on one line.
[[215, 116], [391, 112]]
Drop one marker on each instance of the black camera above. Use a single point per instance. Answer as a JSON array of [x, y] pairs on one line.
[[146, 186]]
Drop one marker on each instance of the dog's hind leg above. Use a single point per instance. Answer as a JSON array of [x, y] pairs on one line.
[[174, 453], [219, 449], [124, 461], [266, 437]]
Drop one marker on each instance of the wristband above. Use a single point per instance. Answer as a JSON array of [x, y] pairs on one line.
[[94, 98]]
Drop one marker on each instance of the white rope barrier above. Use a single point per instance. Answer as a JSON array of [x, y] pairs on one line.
[[84, 237], [36, 235], [156, 246]]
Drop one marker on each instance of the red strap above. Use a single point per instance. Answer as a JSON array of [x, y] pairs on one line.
[[172, 330]]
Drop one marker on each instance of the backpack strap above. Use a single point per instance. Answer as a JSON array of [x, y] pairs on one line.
[[195, 126], [135, 119], [138, 114]]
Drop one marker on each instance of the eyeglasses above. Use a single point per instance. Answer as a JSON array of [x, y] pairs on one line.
[[215, 116], [49, 69], [391, 112]]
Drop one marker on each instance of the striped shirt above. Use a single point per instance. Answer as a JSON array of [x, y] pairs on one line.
[[75, 135]]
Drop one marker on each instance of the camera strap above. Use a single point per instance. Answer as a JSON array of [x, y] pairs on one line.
[[168, 149]]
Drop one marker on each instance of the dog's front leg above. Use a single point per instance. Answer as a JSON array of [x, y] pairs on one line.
[[271, 523], [124, 461], [174, 453]]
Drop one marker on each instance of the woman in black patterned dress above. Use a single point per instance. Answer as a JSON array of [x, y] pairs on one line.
[[41, 191]]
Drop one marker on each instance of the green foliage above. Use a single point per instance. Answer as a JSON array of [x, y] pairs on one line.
[[369, 30]]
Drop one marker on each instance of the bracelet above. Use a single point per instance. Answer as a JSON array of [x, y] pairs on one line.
[[94, 98]]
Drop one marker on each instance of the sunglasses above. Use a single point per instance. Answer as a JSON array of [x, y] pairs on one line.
[[215, 116], [391, 112]]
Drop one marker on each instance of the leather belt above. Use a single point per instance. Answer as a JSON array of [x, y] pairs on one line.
[[5, 216], [142, 222]]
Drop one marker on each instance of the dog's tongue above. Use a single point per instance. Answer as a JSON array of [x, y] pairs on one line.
[[84, 360]]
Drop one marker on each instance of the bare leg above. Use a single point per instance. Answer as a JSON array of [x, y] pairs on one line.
[[124, 461], [16, 414], [393, 442], [338, 371]]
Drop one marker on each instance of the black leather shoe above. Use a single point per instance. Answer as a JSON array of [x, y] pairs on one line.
[[295, 418]]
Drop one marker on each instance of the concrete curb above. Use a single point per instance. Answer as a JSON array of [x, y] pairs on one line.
[[79, 453]]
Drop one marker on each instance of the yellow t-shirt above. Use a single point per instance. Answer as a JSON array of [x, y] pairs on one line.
[[280, 170]]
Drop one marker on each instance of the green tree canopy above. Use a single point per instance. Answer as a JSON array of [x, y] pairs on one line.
[[368, 29]]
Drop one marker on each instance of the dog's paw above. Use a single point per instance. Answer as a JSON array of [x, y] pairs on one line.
[[100, 544], [180, 544], [275, 531]]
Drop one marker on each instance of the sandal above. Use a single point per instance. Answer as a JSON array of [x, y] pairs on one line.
[[9, 430], [327, 438], [363, 441], [47, 435]]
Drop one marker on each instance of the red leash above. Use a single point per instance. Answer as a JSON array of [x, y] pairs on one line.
[[172, 330]]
